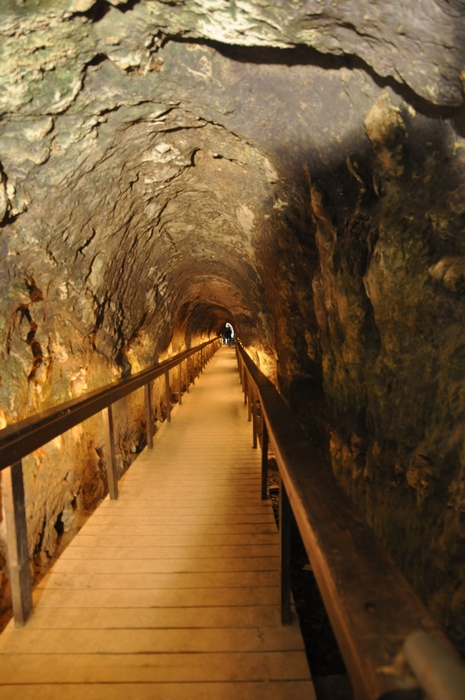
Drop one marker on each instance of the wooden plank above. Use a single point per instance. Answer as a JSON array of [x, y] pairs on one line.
[[91, 530], [155, 519], [192, 482], [137, 668], [167, 566], [231, 500], [197, 467], [190, 491], [186, 509], [153, 478], [184, 505], [156, 471], [154, 618], [157, 641], [145, 464], [189, 540], [186, 598], [242, 690], [219, 498], [152, 581], [170, 552]]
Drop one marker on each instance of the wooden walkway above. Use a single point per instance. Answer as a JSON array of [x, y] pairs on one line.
[[172, 591]]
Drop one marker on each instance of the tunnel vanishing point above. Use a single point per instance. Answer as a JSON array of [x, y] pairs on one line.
[[293, 167]]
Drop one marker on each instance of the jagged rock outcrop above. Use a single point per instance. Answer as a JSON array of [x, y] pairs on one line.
[[296, 168]]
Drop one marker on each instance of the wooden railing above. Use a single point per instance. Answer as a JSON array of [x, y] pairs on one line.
[[22, 438], [378, 620]]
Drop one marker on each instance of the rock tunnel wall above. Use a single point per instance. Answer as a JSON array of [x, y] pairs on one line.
[[294, 168]]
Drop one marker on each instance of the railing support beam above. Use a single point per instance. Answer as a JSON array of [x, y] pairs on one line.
[[264, 461], [17, 543], [253, 398], [110, 457], [249, 399], [148, 414], [285, 554], [168, 396]]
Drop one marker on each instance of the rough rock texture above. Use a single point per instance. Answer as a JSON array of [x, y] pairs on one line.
[[294, 168]]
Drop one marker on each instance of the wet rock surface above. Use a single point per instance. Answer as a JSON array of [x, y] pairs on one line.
[[294, 168]]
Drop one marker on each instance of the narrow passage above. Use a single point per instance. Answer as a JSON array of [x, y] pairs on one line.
[[172, 591]]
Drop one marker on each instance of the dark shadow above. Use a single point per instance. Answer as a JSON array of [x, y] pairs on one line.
[[302, 55]]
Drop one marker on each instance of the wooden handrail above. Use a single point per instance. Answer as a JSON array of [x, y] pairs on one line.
[[372, 608], [22, 438]]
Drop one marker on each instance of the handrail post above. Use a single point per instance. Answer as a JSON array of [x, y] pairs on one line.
[[187, 375], [249, 398], [148, 414], [264, 460], [168, 396], [244, 385], [17, 543], [180, 383], [285, 554], [254, 418], [110, 459]]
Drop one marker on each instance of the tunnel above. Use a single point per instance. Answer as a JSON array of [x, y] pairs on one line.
[[295, 169]]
